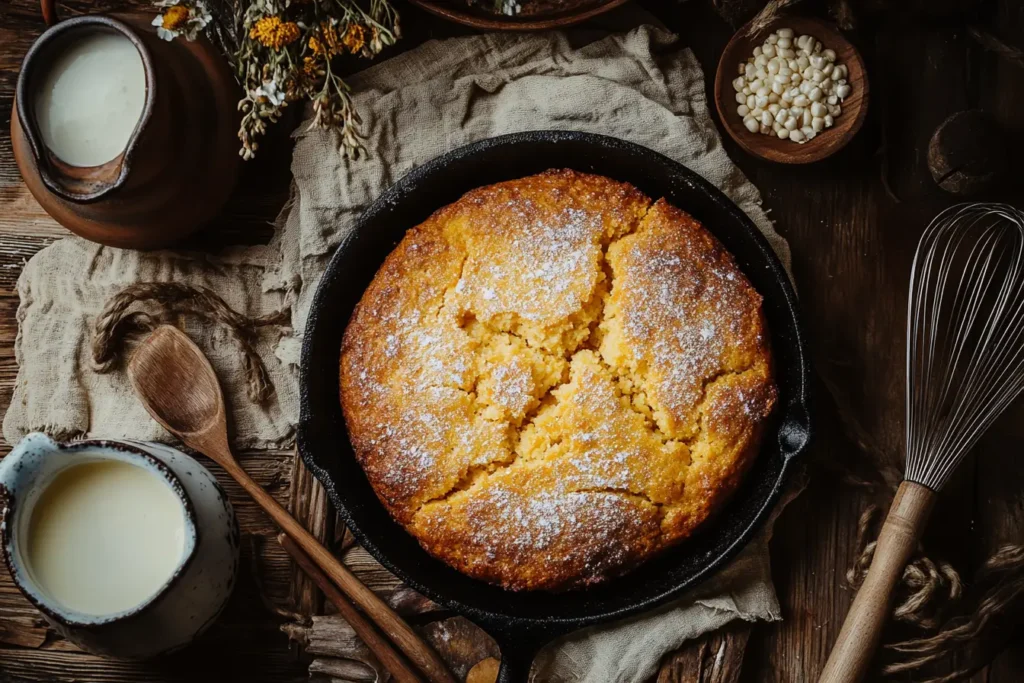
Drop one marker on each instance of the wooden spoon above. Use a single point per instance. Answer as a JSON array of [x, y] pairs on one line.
[[180, 390]]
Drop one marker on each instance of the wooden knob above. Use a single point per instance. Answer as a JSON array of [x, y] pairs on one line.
[[968, 153]]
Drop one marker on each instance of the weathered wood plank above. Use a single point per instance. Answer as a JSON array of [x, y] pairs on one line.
[[23, 631], [308, 501], [998, 482], [369, 570], [852, 246], [205, 661], [716, 658], [15, 251]]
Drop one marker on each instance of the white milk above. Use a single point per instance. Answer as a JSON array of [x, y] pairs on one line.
[[90, 98], [104, 536]]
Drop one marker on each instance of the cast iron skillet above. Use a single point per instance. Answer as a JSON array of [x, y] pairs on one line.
[[522, 622]]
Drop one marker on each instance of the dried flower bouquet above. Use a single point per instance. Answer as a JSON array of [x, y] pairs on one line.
[[285, 51]]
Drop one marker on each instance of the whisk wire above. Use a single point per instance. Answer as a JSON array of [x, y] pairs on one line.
[[965, 334], [978, 371], [964, 309]]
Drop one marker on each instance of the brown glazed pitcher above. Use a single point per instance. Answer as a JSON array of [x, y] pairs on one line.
[[180, 163]]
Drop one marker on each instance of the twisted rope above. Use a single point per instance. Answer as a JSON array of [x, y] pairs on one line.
[[117, 322], [979, 634], [928, 587]]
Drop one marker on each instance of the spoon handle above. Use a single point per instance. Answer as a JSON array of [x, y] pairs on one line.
[[363, 628], [379, 612]]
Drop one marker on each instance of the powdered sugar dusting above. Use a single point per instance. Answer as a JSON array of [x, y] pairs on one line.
[[591, 530], [685, 315], [533, 411], [417, 442], [512, 388], [545, 269]]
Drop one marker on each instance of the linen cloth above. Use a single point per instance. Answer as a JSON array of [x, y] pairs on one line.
[[65, 286], [639, 86]]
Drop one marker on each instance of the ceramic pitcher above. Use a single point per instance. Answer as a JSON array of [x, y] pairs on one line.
[[180, 163], [197, 590]]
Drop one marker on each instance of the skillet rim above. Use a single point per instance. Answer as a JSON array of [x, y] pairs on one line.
[[794, 432]]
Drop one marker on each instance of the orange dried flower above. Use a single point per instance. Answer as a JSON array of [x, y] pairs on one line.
[[330, 38], [354, 38], [311, 67], [326, 42], [175, 17], [273, 33]]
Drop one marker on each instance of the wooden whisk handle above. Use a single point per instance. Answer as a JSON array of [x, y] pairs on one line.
[[858, 639]]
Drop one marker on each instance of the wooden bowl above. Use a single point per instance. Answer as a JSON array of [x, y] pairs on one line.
[[538, 15], [770, 147]]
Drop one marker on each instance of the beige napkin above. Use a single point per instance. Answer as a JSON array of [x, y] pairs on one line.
[[64, 287], [639, 86]]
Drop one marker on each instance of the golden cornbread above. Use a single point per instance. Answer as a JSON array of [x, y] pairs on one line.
[[554, 378]]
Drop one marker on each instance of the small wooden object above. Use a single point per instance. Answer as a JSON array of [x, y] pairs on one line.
[[364, 629], [178, 387], [854, 649], [770, 147], [968, 153]]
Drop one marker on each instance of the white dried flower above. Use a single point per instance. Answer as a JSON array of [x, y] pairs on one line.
[[271, 91], [181, 19]]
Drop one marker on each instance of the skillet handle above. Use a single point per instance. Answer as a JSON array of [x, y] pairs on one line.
[[518, 648], [516, 661]]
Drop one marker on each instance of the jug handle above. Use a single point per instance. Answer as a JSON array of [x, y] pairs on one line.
[[49, 8], [12, 465]]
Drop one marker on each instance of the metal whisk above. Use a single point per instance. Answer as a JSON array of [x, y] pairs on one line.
[[965, 365]]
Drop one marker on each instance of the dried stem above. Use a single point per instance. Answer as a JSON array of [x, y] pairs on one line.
[[284, 51]]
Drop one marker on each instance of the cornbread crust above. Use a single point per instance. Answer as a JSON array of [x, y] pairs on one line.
[[553, 379]]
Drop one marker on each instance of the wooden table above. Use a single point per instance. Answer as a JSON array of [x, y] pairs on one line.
[[852, 223]]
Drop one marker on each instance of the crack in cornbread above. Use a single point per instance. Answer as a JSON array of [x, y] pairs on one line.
[[555, 378]]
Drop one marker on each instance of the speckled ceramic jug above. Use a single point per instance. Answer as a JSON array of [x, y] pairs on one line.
[[188, 601]]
